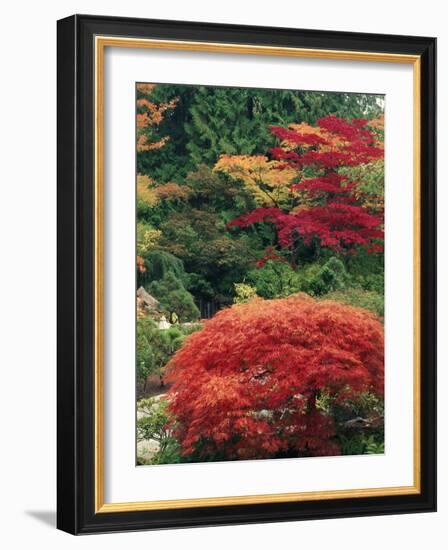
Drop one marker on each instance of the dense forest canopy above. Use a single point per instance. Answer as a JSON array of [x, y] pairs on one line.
[[209, 161], [206, 122]]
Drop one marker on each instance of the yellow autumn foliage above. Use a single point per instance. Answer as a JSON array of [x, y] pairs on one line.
[[147, 238], [146, 191], [150, 114], [377, 123], [262, 177], [333, 142]]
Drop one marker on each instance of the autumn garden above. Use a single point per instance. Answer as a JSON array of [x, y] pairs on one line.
[[260, 284]]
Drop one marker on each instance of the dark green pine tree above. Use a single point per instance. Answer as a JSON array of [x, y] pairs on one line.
[[221, 123], [171, 162], [157, 264], [316, 105], [236, 120], [174, 299], [209, 121]]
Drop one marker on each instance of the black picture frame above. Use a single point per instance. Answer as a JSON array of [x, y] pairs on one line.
[[76, 273]]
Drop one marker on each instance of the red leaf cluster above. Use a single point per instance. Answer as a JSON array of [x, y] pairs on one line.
[[297, 138], [334, 215], [335, 142], [270, 254], [338, 225], [246, 385], [333, 183]]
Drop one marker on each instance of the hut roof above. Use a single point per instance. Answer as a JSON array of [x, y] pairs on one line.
[[147, 299]]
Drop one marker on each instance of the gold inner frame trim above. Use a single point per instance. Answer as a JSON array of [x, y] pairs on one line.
[[101, 42]]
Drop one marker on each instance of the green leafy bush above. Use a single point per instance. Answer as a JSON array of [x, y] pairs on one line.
[[274, 280], [360, 444], [359, 422], [174, 298], [244, 293], [155, 347], [323, 279], [159, 263], [358, 297], [155, 424]]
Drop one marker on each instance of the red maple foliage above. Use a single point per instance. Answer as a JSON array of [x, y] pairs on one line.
[[338, 142], [334, 217], [338, 225], [269, 255], [247, 385]]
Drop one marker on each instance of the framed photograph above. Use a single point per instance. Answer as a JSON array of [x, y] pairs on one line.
[[246, 274]]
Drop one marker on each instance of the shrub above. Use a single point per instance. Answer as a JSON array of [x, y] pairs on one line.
[[174, 299], [155, 347], [358, 297], [158, 264], [154, 425], [373, 282], [331, 276], [248, 384], [274, 279], [244, 293]]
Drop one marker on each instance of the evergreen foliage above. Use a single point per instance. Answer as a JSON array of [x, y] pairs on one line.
[[174, 299], [366, 299], [153, 424], [154, 348], [331, 276], [275, 279], [158, 263], [210, 121]]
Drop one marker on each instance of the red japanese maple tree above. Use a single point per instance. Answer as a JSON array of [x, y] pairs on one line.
[[248, 384], [327, 207]]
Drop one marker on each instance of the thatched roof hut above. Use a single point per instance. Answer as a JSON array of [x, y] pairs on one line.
[[146, 303]]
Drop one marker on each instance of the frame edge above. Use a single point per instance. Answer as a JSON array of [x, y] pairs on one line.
[[67, 463], [73, 515]]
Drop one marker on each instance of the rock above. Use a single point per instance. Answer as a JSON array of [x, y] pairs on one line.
[[163, 323], [146, 449], [146, 299]]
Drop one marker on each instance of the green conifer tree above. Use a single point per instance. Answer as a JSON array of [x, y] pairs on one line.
[[174, 299], [209, 121]]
